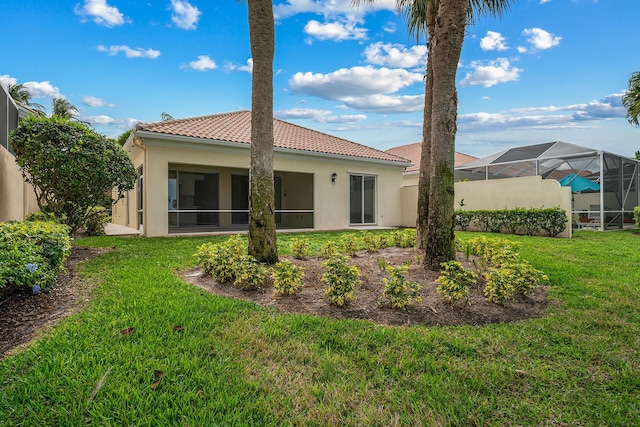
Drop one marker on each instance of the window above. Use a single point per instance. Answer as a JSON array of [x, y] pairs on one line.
[[193, 199], [362, 199], [140, 198]]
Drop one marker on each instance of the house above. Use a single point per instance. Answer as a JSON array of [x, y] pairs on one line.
[[194, 177], [410, 176], [17, 198]]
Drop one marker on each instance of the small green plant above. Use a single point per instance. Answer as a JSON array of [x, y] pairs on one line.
[[218, 259], [248, 273], [341, 279], [500, 286], [329, 249], [97, 219], [287, 278], [398, 291], [382, 264], [371, 242], [349, 244], [636, 216], [405, 238], [299, 247], [454, 282]]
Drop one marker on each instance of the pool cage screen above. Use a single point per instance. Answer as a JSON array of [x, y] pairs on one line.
[[608, 203]]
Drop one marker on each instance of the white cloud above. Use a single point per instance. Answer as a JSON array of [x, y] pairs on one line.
[[493, 41], [396, 55], [545, 1], [346, 29], [185, 15], [350, 82], [103, 120], [541, 39], [43, 90], [129, 52], [362, 88], [92, 101], [494, 72], [203, 63], [248, 67], [6, 80], [101, 12], [329, 7], [318, 116], [552, 117], [389, 27]]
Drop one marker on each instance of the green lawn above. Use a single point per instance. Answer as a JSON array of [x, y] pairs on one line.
[[239, 364]]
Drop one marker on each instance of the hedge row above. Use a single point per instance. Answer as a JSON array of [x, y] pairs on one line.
[[532, 221], [32, 253]]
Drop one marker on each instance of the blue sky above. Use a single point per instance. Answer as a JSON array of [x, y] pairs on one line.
[[548, 70]]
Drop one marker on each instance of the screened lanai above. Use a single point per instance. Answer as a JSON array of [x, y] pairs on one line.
[[605, 204]]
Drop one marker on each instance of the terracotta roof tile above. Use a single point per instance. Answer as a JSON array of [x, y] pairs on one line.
[[236, 127], [412, 153]]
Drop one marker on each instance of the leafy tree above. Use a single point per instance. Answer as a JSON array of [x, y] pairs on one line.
[[71, 168], [19, 94], [631, 99], [262, 222], [62, 108], [444, 22], [122, 138]]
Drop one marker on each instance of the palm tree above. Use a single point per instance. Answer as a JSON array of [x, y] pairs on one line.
[[21, 95], [262, 222], [62, 108], [444, 22], [631, 99]]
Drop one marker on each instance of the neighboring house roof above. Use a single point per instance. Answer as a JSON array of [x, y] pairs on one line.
[[236, 127], [412, 153]]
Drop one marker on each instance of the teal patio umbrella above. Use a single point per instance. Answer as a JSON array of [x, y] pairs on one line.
[[579, 184]]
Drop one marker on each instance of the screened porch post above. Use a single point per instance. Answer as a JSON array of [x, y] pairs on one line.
[[602, 190]]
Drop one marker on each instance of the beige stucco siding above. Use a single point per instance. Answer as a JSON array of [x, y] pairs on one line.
[[524, 192], [17, 198], [330, 200]]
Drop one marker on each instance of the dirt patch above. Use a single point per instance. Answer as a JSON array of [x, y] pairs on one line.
[[23, 314], [432, 311]]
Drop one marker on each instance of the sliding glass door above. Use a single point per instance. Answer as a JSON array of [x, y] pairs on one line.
[[362, 199]]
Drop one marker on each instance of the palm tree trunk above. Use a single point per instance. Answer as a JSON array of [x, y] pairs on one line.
[[262, 222], [425, 153], [447, 42]]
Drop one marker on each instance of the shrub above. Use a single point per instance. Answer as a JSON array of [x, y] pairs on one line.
[[329, 249], [32, 253], [341, 279], [96, 221], [45, 217], [287, 278], [398, 291], [71, 167], [636, 216], [299, 247], [349, 244], [551, 221], [404, 238], [454, 282], [247, 272], [372, 242], [218, 259], [463, 219], [500, 286]]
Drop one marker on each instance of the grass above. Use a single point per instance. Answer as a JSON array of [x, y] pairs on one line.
[[235, 363]]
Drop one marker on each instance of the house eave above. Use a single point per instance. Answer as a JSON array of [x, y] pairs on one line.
[[169, 140]]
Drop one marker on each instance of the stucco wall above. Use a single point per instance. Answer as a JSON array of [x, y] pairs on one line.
[[330, 200], [525, 192], [17, 198]]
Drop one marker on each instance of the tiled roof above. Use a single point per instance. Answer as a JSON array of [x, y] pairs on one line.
[[412, 152], [236, 127]]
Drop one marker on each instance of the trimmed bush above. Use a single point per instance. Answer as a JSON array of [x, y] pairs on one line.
[[399, 292], [219, 259], [454, 282], [287, 278], [533, 221], [349, 244], [341, 279], [329, 249], [299, 247], [248, 273]]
